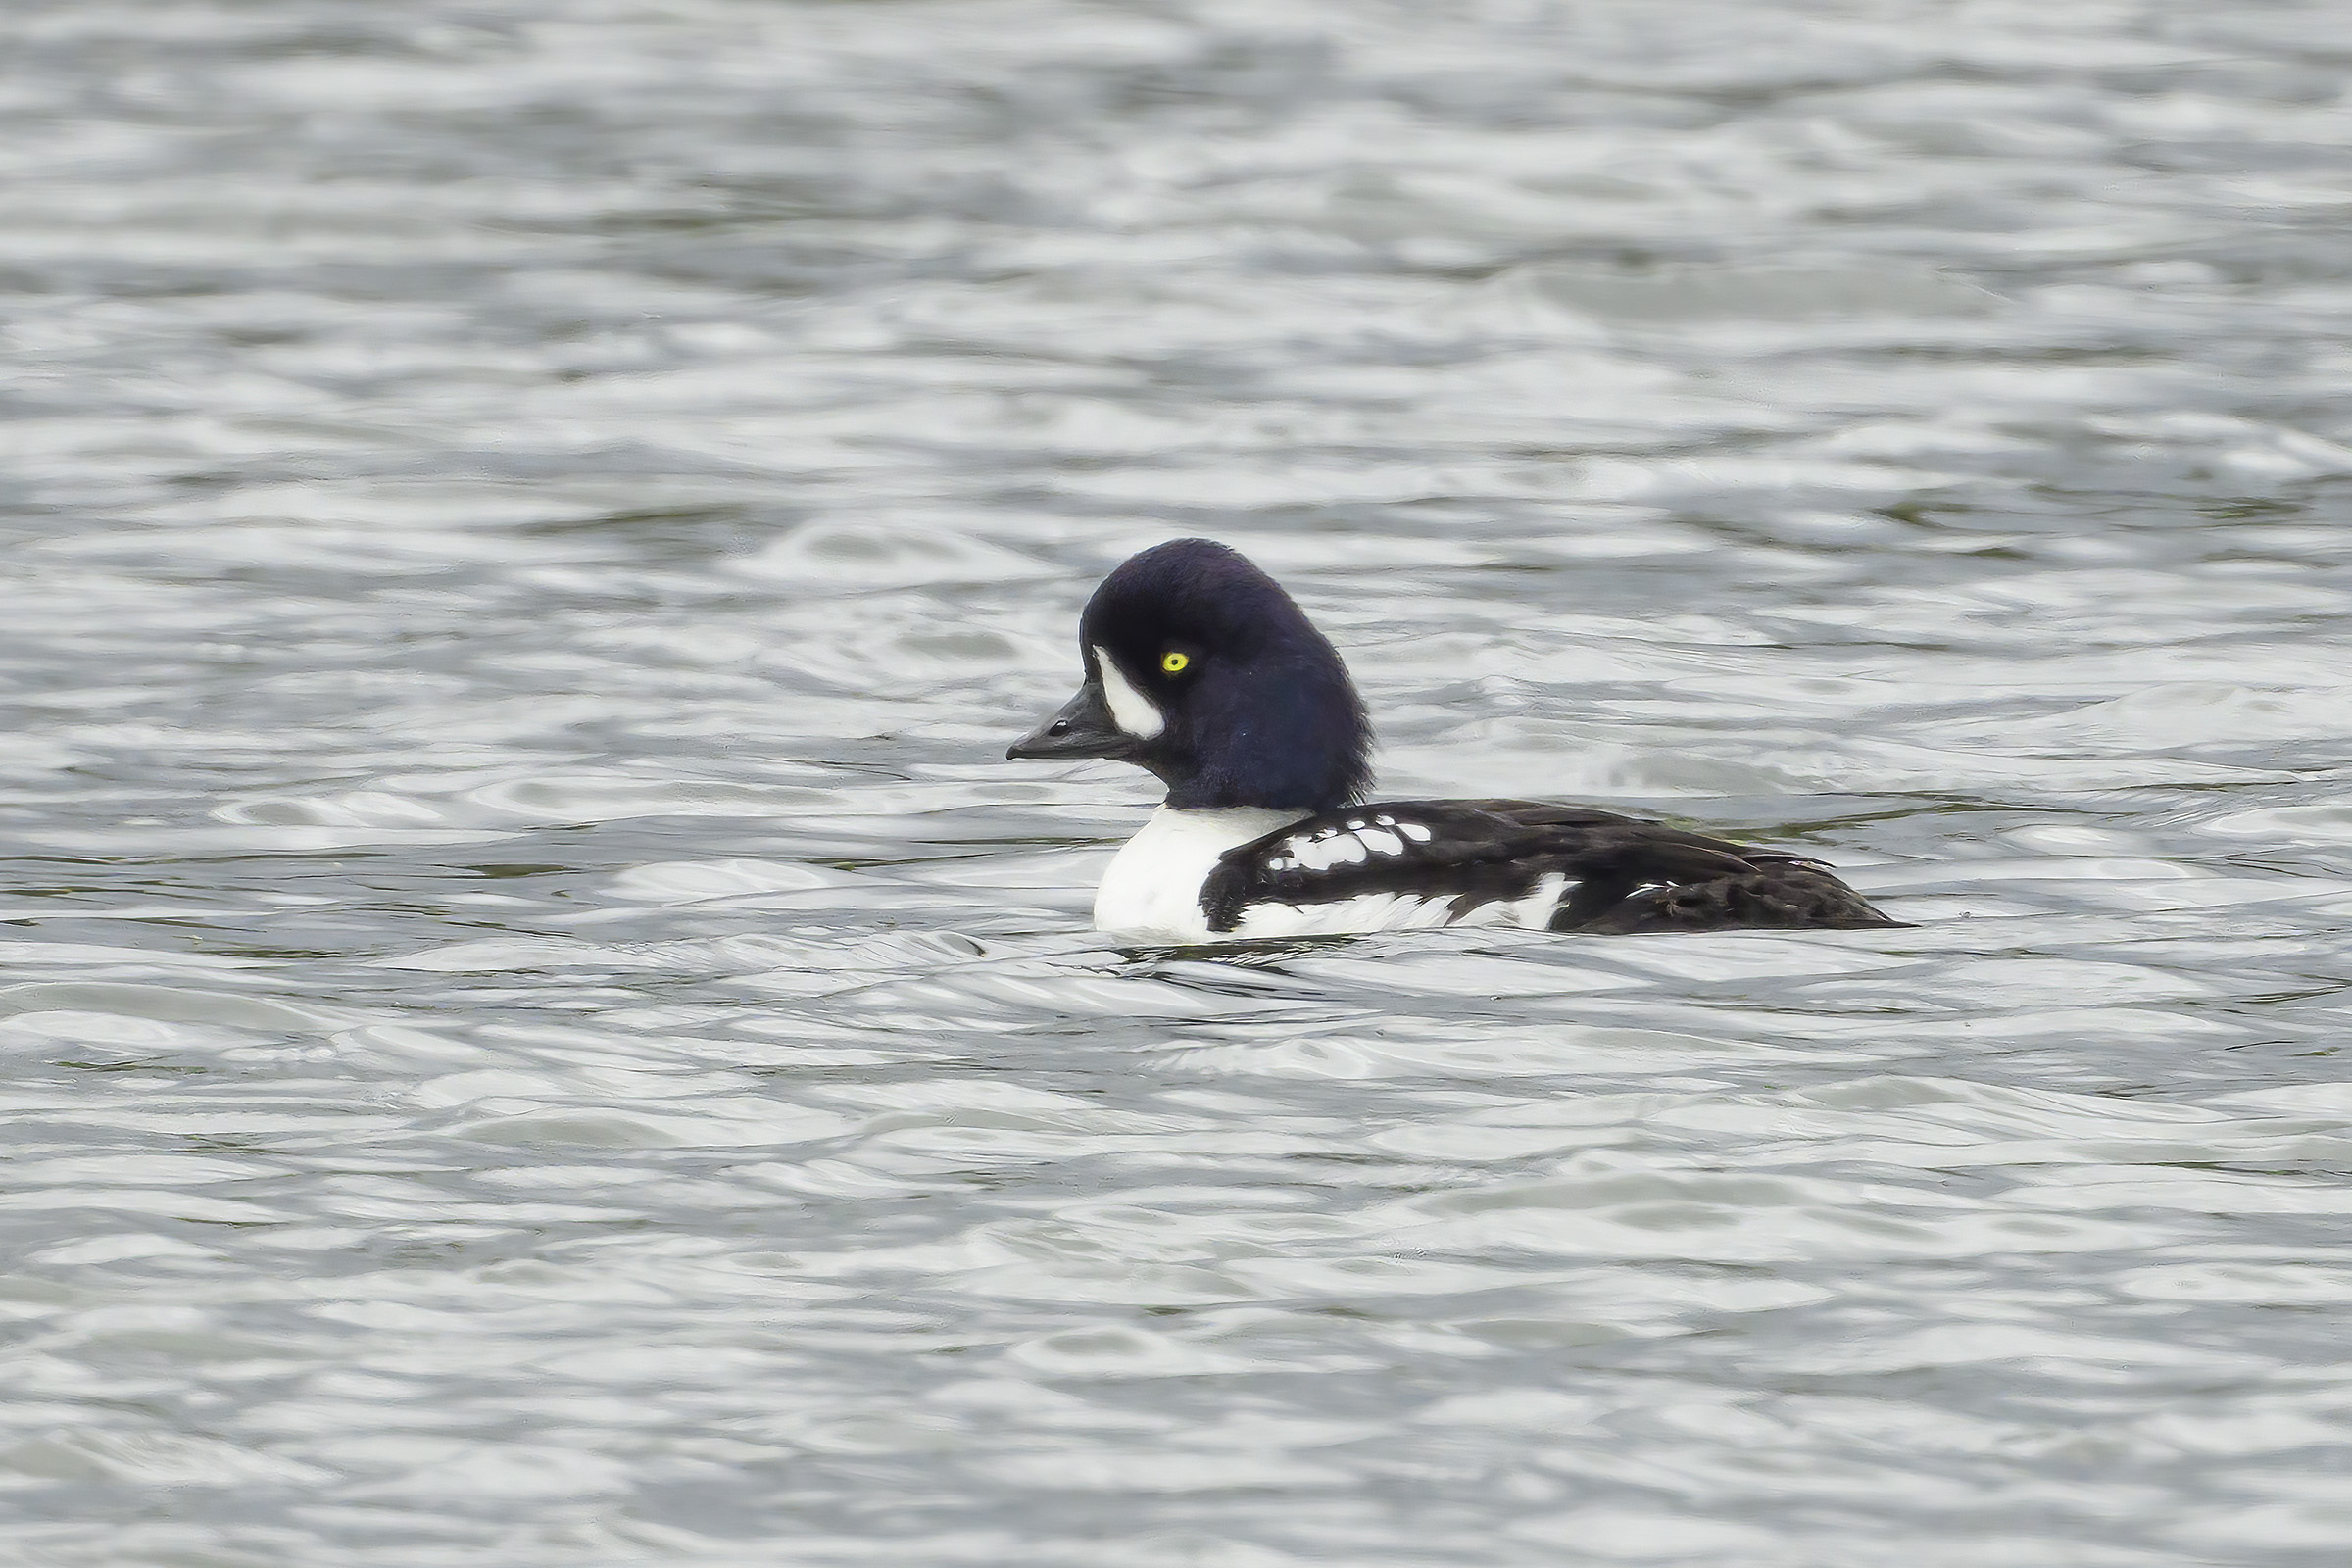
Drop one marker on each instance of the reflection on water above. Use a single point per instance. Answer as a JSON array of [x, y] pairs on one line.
[[541, 1030]]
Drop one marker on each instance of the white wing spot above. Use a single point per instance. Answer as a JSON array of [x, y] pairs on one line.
[[1322, 851], [1415, 831], [1381, 842]]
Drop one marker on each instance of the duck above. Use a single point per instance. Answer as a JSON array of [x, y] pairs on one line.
[[1202, 671]]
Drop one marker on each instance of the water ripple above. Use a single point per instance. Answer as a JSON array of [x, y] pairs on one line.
[[541, 1031]]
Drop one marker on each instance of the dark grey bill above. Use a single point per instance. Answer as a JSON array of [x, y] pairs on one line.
[[1083, 727]]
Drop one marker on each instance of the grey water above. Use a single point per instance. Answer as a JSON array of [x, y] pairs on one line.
[[540, 1029]]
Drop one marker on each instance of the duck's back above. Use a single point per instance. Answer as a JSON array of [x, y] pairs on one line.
[[1519, 862]]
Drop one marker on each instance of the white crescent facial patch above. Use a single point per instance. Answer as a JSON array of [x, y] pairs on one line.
[[1131, 709]]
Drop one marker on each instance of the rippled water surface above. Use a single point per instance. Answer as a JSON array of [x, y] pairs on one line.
[[541, 1030]]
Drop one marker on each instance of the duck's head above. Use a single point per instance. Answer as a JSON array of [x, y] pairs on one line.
[[1199, 669]]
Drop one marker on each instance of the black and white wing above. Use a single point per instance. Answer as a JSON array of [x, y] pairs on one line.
[[1406, 863]]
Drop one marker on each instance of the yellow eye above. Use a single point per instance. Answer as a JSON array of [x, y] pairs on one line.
[[1172, 662]]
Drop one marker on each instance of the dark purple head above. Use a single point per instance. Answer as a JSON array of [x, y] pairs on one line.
[[1201, 670]]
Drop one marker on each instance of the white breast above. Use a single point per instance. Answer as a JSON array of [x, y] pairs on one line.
[[1153, 888]]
